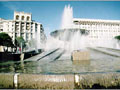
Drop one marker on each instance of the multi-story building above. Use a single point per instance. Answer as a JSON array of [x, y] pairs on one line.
[[22, 25], [100, 31]]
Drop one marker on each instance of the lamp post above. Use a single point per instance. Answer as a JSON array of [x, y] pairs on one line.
[[21, 47], [22, 54]]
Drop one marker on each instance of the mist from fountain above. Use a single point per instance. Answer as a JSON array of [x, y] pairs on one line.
[[35, 43], [104, 41], [78, 41]]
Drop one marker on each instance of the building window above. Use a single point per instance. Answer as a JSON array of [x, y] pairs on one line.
[[17, 23], [17, 17], [1, 29], [41, 31], [22, 28], [27, 36], [15, 34], [23, 17], [76, 22], [22, 24], [22, 34], [28, 18], [31, 35], [27, 26]]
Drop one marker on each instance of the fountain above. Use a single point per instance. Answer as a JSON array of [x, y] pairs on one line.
[[72, 38], [67, 38]]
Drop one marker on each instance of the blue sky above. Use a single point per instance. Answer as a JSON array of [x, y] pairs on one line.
[[49, 13]]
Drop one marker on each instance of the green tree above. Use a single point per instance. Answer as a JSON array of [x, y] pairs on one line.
[[6, 40], [117, 37], [20, 41]]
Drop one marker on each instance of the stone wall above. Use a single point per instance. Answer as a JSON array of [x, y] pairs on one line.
[[73, 81]]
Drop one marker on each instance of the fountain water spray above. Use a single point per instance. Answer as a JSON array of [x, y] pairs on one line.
[[64, 40], [67, 17]]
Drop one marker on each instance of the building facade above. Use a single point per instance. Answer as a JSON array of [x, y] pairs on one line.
[[22, 25], [100, 31]]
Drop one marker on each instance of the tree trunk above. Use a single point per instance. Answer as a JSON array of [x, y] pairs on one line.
[[7, 49]]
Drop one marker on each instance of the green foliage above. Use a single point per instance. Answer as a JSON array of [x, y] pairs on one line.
[[117, 37], [19, 41], [6, 40], [82, 31]]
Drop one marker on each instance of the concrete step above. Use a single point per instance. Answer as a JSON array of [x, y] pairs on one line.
[[35, 58], [105, 51]]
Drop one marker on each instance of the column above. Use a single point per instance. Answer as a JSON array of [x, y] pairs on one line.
[[25, 31]]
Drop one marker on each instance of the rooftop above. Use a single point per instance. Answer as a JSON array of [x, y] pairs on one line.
[[96, 20], [22, 12]]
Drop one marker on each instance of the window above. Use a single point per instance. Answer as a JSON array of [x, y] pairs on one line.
[[1, 29], [27, 26], [27, 36], [17, 23], [17, 17], [22, 34], [28, 18], [15, 34], [41, 31], [23, 17], [76, 22]]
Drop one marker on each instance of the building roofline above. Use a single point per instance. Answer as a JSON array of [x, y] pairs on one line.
[[2, 19], [22, 12], [96, 20], [19, 21], [36, 22], [5, 20]]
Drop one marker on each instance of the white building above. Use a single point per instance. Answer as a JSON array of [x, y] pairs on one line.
[[22, 25], [100, 31]]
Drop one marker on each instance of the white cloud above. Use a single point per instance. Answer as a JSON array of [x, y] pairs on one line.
[[11, 6]]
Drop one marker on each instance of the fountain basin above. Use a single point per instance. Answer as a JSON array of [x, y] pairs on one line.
[[80, 55], [66, 81]]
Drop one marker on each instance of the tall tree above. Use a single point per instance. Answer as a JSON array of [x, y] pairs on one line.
[[6, 40], [20, 41], [117, 37]]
